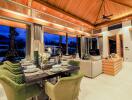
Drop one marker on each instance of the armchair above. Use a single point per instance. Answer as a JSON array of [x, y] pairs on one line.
[[12, 64], [12, 68], [92, 67], [16, 91], [56, 92], [15, 87], [74, 63]]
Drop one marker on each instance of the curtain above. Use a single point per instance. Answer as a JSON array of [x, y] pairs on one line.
[[28, 42], [38, 39], [37, 32]]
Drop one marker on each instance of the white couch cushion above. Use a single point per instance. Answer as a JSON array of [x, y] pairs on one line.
[[95, 57]]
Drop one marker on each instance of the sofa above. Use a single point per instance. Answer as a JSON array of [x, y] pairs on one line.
[[92, 67]]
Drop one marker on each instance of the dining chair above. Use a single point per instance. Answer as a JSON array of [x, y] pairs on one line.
[[74, 63], [12, 64], [66, 88], [15, 86], [15, 69]]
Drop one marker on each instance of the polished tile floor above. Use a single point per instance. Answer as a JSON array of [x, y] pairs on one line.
[[105, 87]]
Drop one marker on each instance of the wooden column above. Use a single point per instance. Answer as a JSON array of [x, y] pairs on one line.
[[29, 5]]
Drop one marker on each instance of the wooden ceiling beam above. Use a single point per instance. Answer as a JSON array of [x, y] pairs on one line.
[[45, 3], [121, 19], [99, 11], [25, 19], [12, 23], [29, 5], [118, 2]]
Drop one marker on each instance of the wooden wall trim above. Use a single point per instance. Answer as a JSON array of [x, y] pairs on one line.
[[12, 23], [124, 18], [28, 19]]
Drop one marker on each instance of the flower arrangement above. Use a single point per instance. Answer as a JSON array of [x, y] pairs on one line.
[[44, 57]]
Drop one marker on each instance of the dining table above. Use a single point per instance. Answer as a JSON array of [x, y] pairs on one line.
[[48, 73]]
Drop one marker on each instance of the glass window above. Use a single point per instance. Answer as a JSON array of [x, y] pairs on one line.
[[4, 41], [53, 41], [71, 45], [10, 44], [93, 49], [20, 41]]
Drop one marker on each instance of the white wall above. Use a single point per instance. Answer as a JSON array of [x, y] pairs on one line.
[[127, 40], [105, 42]]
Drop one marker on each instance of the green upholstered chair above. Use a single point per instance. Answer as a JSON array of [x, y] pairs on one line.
[[15, 87], [15, 69], [66, 88], [16, 91], [74, 63], [12, 64], [19, 78], [1, 63]]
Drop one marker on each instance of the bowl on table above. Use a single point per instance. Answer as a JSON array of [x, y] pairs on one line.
[[31, 70]]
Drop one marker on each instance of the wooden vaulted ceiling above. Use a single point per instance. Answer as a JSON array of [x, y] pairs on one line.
[[91, 11], [85, 13]]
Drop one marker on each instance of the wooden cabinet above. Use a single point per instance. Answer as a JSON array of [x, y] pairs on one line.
[[112, 66]]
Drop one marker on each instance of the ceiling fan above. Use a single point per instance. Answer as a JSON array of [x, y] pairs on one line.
[[105, 16]]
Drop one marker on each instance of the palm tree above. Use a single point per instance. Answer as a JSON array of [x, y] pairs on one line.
[[60, 41], [12, 52]]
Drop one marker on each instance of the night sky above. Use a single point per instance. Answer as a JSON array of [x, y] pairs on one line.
[[55, 37], [4, 30], [20, 41]]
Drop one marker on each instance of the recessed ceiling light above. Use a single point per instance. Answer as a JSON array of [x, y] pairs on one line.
[[44, 9]]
